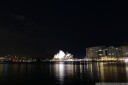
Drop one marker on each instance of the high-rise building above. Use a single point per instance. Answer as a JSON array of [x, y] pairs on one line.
[[124, 51], [95, 52], [118, 52], [111, 51], [114, 52]]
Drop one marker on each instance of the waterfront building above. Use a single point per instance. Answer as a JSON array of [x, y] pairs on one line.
[[61, 56], [95, 52], [111, 51], [115, 52], [106, 53], [124, 51], [119, 52]]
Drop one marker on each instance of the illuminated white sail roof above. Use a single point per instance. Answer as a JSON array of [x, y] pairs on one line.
[[60, 55]]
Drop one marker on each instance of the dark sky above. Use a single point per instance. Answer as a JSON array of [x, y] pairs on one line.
[[42, 28]]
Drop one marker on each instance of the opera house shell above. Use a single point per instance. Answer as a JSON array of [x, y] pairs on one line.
[[63, 56]]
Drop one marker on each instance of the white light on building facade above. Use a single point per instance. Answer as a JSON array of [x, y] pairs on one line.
[[62, 56]]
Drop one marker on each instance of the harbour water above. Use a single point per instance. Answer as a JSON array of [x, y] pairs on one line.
[[60, 73]]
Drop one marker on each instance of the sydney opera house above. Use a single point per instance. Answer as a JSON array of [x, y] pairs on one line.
[[61, 56]]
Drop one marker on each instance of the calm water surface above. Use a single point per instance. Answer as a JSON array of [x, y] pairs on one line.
[[62, 74]]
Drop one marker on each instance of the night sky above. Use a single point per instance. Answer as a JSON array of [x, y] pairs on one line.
[[43, 28]]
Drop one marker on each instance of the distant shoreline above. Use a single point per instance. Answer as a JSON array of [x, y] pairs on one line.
[[48, 61]]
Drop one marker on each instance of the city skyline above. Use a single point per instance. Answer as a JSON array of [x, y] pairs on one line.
[[46, 27], [63, 42], [103, 51]]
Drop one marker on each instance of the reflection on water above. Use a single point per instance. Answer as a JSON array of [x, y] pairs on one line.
[[63, 74], [59, 71]]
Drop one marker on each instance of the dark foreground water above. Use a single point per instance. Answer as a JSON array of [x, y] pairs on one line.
[[62, 74]]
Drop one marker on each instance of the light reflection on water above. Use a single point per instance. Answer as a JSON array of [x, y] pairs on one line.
[[63, 74], [59, 71]]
